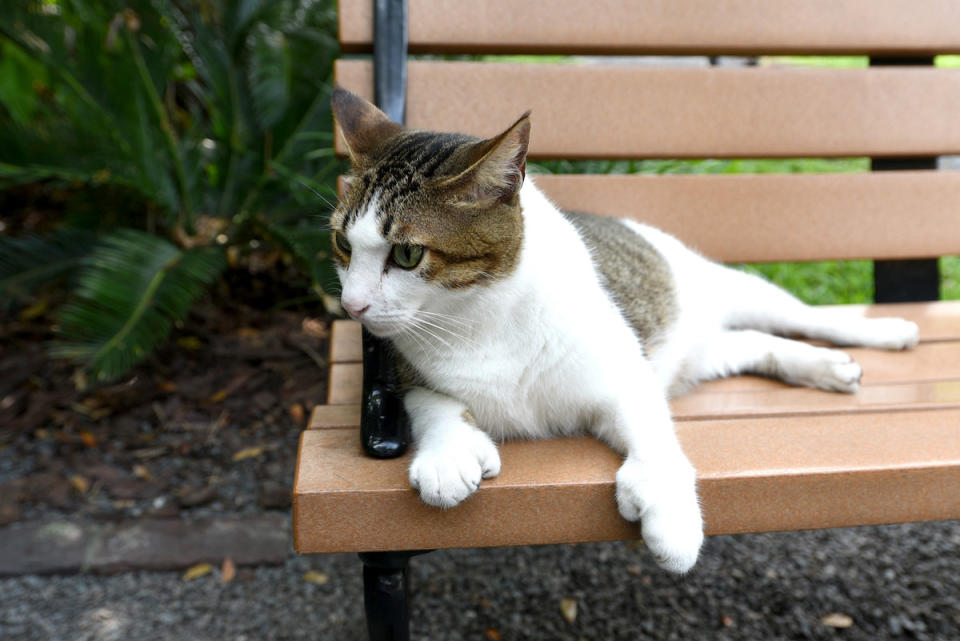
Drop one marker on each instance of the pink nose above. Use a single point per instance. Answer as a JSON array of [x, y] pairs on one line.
[[354, 309]]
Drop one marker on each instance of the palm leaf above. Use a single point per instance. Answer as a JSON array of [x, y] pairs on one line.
[[29, 262], [134, 287]]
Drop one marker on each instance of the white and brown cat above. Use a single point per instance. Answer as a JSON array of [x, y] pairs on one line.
[[513, 319]]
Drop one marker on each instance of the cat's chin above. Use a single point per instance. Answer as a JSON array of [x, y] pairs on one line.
[[382, 329]]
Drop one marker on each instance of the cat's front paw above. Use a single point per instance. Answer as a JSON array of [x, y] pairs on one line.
[[664, 500], [446, 475]]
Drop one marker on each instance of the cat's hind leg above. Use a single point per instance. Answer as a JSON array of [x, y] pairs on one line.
[[732, 352], [753, 303]]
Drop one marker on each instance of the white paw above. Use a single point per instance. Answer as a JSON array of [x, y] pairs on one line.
[[837, 372], [446, 475], [891, 333], [664, 500]]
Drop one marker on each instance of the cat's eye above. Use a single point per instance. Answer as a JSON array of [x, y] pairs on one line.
[[340, 240], [407, 256]]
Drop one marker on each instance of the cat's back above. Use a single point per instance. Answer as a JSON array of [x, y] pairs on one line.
[[633, 272]]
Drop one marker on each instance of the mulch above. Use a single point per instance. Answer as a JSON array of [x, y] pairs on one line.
[[208, 425]]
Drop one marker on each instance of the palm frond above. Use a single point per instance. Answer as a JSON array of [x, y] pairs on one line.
[[134, 288], [29, 262]]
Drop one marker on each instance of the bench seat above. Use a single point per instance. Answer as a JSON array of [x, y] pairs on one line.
[[769, 457]]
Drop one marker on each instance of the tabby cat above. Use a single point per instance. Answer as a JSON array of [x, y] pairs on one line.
[[512, 319]]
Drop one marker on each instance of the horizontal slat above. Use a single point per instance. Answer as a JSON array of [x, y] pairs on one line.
[[782, 217], [795, 401], [938, 321], [755, 475], [779, 217], [666, 26], [630, 112], [761, 401], [346, 341], [346, 383]]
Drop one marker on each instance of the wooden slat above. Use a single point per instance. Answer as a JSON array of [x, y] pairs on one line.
[[630, 112], [774, 399], [782, 217], [755, 475], [796, 401], [334, 416], [346, 383], [938, 321], [346, 341], [666, 26]]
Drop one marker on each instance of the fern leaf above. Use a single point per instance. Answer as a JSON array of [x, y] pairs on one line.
[[134, 288], [29, 262]]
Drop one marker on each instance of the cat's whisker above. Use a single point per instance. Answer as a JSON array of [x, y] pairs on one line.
[[420, 324], [462, 322], [447, 330]]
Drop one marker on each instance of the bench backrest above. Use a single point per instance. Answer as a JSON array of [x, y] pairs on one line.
[[900, 111]]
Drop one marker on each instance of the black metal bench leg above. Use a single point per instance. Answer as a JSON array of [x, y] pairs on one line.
[[385, 594]]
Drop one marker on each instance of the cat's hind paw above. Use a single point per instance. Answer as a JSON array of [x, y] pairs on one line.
[[664, 500], [445, 476], [890, 333]]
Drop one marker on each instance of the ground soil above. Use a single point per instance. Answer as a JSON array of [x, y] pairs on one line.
[[208, 424]]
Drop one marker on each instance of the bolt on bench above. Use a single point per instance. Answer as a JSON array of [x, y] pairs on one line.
[[769, 457]]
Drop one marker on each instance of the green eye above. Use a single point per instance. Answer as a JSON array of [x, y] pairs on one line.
[[407, 256], [341, 242]]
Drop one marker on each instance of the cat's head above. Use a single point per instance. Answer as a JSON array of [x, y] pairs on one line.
[[426, 218]]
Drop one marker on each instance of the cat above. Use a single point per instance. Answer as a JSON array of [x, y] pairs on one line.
[[512, 319]]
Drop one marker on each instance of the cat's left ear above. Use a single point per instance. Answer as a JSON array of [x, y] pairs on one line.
[[494, 168], [364, 127]]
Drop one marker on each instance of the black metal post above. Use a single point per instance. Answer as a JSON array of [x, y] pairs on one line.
[[384, 427], [385, 594], [898, 281]]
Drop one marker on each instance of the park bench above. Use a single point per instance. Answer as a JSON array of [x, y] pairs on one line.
[[769, 457]]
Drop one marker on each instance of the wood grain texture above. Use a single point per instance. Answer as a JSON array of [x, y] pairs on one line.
[[666, 26], [755, 475], [591, 111]]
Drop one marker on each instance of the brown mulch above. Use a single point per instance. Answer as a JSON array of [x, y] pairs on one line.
[[209, 424]]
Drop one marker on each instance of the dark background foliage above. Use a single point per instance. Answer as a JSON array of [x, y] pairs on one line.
[[146, 147]]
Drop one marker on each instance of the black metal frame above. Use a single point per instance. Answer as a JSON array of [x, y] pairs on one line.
[[900, 281], [384, 426]]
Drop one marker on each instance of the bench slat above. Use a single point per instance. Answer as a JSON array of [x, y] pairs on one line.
[[751, 398], [666, 26], [779, 217], [799, 217], [756, 475], [603, 111]]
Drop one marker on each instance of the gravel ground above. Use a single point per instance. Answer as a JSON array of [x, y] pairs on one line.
[[891, 582]]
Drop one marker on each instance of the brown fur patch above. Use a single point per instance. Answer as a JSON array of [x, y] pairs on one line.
[[425, 188]]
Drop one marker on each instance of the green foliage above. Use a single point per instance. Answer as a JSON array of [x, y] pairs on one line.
[[213, 114], [28, 262], [134, 288]]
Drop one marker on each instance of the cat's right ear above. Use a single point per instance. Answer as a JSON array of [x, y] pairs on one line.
[[363, 126]]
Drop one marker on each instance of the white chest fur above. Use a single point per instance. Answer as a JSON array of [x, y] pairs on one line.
[[531, 351]]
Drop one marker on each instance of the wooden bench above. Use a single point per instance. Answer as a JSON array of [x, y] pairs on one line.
[[769, 457]]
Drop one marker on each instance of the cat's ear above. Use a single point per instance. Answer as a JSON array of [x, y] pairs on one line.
[[363, 126], [494, 169]]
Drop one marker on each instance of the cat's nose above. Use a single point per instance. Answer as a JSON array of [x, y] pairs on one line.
[[356, 310]]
